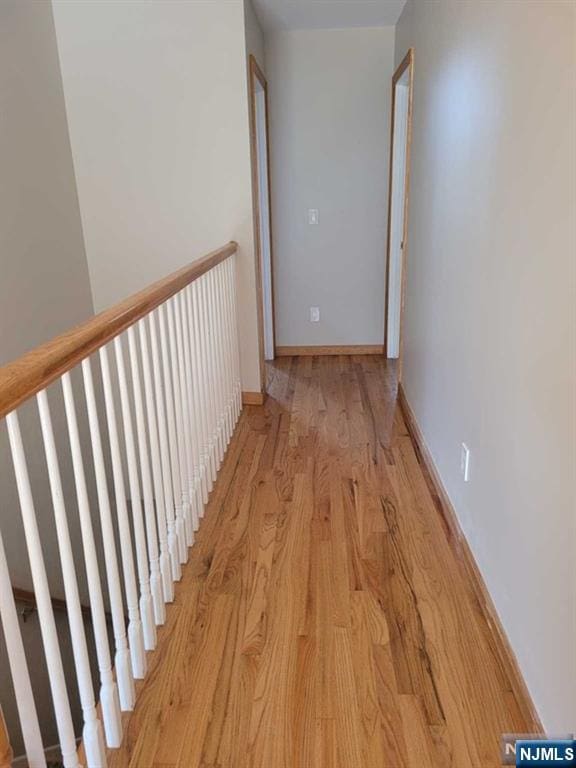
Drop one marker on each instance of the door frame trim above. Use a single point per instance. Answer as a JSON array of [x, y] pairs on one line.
[[255, 73], [406, 63]]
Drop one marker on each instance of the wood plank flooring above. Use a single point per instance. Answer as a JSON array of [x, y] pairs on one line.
[[324, 620]]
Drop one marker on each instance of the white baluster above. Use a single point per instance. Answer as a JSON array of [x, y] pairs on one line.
[[232, 261], [209, 337], [19, 669], [200, 366], [135, 630], [193, 405], [164, 559], [214, 365], [166, 457], [149, 512], [225, 350], [92, 736], [208, 368], [186, 393], [231, 333], [122, 656], [222, 425], [43, 601], [176, 452], [146, 608], [181, 426], [108, 697], [198, 412], [193, 394]]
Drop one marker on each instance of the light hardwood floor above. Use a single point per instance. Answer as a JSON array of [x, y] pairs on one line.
[[324, 619]]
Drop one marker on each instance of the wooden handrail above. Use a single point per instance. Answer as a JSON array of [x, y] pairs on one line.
[[34, 371], [6, 754]]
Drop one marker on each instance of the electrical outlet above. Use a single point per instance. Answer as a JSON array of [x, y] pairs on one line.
[[312, 215], [314, 314], [465, 462]]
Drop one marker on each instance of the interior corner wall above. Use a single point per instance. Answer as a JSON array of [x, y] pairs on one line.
[[157, 104], [329, 94], [254, 34], [489, 335]]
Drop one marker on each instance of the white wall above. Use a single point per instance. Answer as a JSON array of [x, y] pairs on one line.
[[329, 94], [44, 286], [156, 96], [490, 325]]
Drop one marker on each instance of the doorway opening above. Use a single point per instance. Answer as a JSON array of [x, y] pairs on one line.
[[399, 187], [262, 216]]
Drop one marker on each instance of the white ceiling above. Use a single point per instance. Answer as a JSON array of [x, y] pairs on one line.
[[327, 14]]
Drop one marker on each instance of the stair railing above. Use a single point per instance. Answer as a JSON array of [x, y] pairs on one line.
[[172, 353]]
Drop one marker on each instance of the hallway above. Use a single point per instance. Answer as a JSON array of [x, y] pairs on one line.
[[324, 619]]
